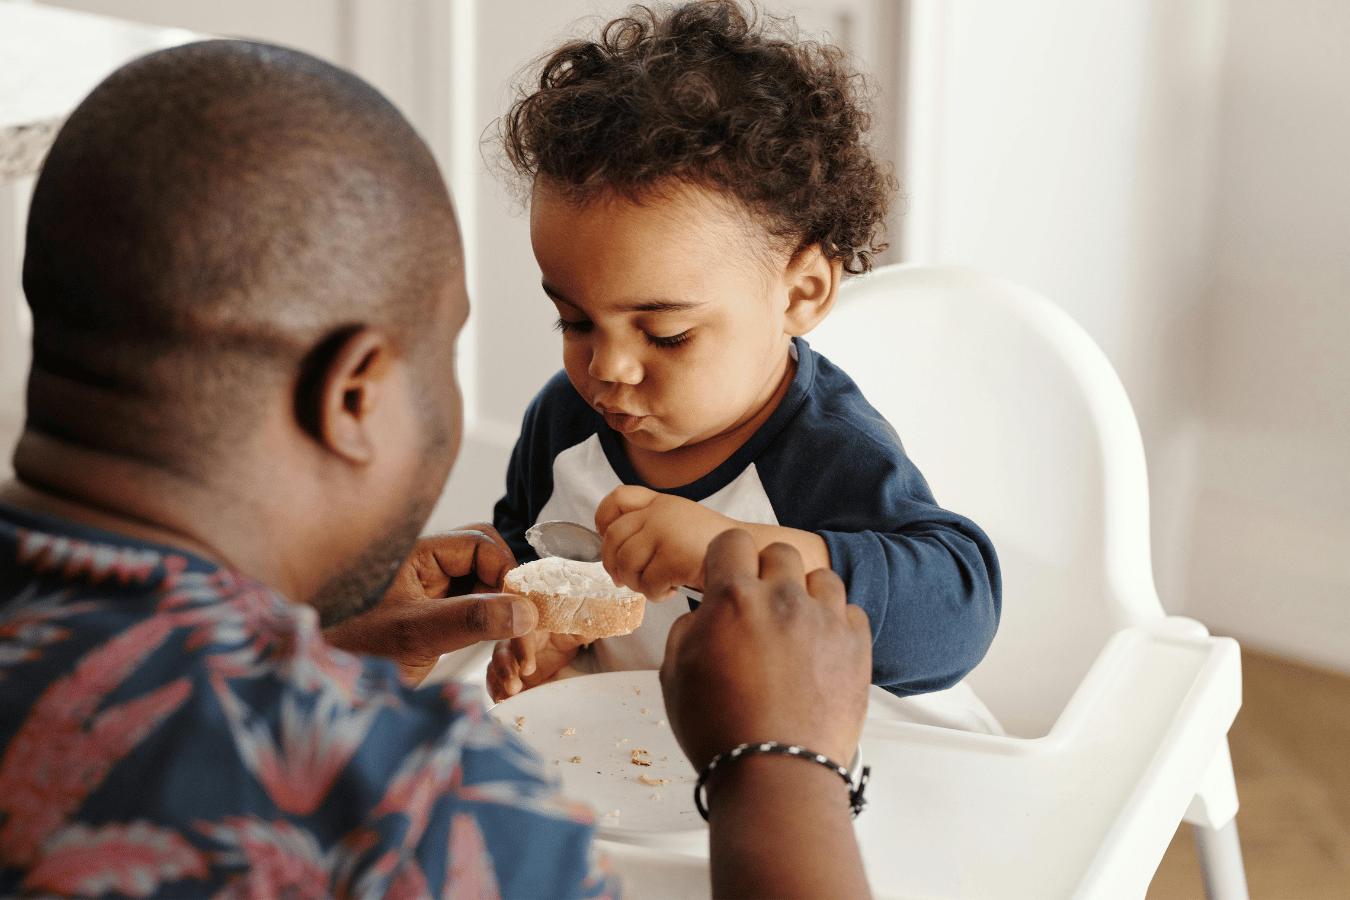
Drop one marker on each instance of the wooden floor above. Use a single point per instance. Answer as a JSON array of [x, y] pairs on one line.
[[1291, 757]]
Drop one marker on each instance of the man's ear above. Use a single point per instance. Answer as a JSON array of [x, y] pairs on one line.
[[350, 382], [812, 288]]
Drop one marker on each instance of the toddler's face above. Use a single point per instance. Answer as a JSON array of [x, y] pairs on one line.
[[673, 312]]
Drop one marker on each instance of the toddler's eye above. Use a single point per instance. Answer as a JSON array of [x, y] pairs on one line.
[[566, 327], [674, 340]]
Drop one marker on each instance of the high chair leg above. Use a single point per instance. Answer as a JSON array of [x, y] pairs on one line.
[[1221, 861]]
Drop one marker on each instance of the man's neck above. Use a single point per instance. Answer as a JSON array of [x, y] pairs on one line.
[[140, 500]]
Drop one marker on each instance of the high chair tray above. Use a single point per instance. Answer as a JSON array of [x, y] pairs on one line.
[[1084, 812]]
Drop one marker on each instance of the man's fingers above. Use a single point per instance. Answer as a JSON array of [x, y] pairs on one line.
[[858, 621], [469, 552], [487, 529], [674, 638], [676, 634], [826, 586], [782, 561], [731, 556]]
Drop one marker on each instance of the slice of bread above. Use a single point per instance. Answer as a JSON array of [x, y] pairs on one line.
[[577, 598]]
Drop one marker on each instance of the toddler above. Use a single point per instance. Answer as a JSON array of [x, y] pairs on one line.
[[699, 187]]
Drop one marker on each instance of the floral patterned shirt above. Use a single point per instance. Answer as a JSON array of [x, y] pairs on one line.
[[169, 728]]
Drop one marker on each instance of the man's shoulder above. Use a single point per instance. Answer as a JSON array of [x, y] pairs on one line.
[[205, 710]]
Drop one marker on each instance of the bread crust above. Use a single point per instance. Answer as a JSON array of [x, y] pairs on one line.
[[588, 616]]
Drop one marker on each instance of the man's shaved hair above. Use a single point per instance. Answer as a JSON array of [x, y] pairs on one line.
[[210, 218]]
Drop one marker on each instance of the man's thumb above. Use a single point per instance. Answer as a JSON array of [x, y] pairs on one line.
[[465, 620]]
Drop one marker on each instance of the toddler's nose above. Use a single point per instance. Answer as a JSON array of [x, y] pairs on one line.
[[615, 364]]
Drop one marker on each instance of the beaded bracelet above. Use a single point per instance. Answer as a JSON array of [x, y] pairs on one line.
[[855, 795]]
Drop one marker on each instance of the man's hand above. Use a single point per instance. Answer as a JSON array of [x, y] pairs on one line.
[[528, 661], [445, 597], [771, 654], [655, 542]]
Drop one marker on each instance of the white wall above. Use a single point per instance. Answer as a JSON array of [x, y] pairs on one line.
[[1272, 520], [1176, 173], [1069, 145]]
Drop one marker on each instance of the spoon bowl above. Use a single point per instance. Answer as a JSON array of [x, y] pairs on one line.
[[572, 541], [566, 539]]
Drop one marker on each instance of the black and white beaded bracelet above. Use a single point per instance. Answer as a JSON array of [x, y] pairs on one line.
[[856, 801]]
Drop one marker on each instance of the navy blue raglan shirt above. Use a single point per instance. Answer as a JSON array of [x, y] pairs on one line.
[[825, 461]]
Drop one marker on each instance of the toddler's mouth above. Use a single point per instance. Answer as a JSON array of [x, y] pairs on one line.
[[622, 422]]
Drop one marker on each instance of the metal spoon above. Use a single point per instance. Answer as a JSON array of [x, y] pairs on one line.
[[572, 541], [566, 539]]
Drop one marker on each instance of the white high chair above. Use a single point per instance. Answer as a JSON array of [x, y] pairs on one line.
[[1117, 715]]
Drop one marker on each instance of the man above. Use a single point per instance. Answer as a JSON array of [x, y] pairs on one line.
[[246, 284]]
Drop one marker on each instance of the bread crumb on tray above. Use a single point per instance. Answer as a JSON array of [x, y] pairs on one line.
[[640, 758], [568, 732], [653, 782]]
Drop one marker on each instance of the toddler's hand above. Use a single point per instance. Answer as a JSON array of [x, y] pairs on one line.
[[528, 661], [655, 542]]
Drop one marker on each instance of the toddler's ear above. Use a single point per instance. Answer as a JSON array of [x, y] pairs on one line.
[[812, 281]]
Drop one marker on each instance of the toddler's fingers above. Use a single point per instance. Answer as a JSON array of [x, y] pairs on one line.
[[502, 679], [631, 557], [523, 650], [663, 576], [642, 580], [623, 499], [620, 533], [497, 688]]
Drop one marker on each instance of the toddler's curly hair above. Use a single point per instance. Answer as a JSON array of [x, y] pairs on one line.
[[701, 93]]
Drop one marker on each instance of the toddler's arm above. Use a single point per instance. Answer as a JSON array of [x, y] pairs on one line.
[[931, 590], [654, 542]]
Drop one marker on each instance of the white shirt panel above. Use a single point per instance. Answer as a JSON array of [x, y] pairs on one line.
[[582, 477]]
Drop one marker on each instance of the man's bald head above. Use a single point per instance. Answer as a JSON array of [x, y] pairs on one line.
[[209, 218]]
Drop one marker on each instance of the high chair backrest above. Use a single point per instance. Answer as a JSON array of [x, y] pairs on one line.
[[1017, 420]]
